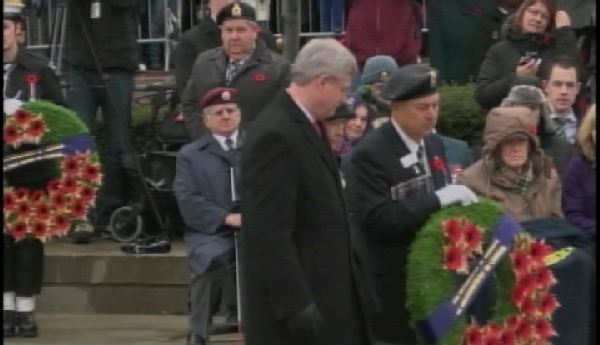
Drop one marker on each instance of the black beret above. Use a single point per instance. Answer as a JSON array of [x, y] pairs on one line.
[[344, 111], [410, 82], [236, 10]]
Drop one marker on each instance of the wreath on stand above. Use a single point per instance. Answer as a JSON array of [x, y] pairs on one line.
[[452, 243], [56, 134]]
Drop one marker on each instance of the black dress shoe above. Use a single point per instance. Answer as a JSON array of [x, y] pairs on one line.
[[9, 320], [26, 325], [147, 246]]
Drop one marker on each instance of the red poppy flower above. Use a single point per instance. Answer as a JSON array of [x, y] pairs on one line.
[[474, 335], [539, 250], [520, 262], [78, 209], [438, 164], [31, 78], [69, 184], [513, 321], [453, 231], [22, 116], [70, 165], [548, 304], [36, 129], [11, 135], [18, 230], [524, 331], [60, 224], [36, 196], [40, 231], [58, 201], [91, 173], [86, 193], [260, 77], [9, 202], [472, 236], [42, 212], [544, 278], [544, 328], [519, 293], [54, 187], [21, 194], [529, 307], [508, 337], [455, 259], [492, 330], [23, 210]]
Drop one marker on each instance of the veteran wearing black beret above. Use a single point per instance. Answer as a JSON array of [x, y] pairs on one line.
[[396, 178]]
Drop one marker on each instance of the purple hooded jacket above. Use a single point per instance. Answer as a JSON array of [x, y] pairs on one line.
[[579, 194]]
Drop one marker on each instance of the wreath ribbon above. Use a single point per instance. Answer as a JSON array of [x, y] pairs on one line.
[[447, 312]]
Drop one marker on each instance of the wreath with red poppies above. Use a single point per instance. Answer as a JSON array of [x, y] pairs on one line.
[[452, 243], [60, 136]]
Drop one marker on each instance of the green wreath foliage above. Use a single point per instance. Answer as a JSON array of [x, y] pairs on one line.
[[63, 122], [428, 283]]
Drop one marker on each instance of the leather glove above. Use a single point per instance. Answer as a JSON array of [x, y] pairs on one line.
[[306, 323], [456, 194]]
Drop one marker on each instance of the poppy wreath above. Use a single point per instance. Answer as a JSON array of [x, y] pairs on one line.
[[456, 241], [60, 136]]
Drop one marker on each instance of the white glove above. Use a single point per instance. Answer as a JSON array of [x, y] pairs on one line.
[[456, 193]]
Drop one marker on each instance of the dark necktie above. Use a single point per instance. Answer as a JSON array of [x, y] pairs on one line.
[[420, 162], [232, 69], [229, 143]]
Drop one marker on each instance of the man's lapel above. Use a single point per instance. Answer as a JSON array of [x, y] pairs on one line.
[[438, 166]]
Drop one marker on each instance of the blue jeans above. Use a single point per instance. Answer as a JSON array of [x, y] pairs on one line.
[[86, 93], [331, 15]]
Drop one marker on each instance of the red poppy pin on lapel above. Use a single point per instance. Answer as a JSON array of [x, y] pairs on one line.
[[438, 164], [260, 77]]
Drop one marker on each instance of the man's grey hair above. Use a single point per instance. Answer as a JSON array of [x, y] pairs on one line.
[[323, 56]]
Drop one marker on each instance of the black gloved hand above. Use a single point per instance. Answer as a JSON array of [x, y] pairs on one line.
[[306, 323]]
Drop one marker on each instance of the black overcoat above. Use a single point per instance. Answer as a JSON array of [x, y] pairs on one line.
[[389, 226], [265, 73], [296, 245]]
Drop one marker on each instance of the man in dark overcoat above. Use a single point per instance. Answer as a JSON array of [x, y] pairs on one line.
[[203, 189], [299, 286], [242, 62], [396, 178]]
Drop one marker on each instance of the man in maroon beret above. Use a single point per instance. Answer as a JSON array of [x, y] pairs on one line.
[[208, 204]]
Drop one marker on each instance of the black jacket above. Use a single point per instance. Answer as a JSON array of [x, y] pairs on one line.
[[26, 63], [296, 245], [113, 35], [487, 33], [200, 38], [389, 225], [497, 73]]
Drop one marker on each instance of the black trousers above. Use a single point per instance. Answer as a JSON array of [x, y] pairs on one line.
[[23, 266]]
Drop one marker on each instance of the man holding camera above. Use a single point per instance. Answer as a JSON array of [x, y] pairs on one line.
[[205, 189]]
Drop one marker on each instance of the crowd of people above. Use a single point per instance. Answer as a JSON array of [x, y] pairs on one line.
[[322, 167]]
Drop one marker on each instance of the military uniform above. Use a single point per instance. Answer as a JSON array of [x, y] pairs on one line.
[[24, 259], [27, 64], [392, 191], [257, 79]]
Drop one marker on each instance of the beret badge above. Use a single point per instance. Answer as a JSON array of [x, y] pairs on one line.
[[433, 79], [226, 95], [384, 76], [236, 10]]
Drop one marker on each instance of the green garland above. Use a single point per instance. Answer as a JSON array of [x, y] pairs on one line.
[[428, 283], [62, 121]]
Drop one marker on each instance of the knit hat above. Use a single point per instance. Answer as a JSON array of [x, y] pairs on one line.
[[526, 95], [378, 68]]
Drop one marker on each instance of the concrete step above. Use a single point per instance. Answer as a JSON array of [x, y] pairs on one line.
[[99, 278], [104, 329]]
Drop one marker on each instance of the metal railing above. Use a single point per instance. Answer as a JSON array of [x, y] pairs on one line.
[[46, 32]]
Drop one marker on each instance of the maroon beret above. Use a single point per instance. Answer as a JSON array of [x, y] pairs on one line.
[[219, 95]]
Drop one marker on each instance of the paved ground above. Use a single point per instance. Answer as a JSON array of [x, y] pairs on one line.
[[111, 329]]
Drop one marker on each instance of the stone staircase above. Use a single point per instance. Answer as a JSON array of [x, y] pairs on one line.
[[99, 278]]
